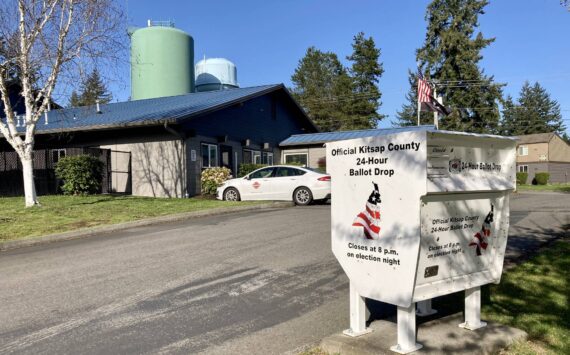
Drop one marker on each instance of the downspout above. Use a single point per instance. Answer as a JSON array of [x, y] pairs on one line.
[[182, 138]]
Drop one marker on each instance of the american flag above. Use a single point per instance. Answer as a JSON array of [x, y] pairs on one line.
[[424, 90], [480, 238], [369, 219]]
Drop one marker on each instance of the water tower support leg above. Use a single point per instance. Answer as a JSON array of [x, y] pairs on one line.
[[424, 308], [473, 309], [358, 314], [406, 330]]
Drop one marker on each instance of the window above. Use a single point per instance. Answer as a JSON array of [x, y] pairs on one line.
[[296, 159], [523, 168], [256, 157], [251, 157], [261, 173], [267, 158], [209, 155], [57, 154], [284, 171], [523, 150]]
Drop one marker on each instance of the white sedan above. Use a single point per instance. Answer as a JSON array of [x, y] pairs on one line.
[[282, 182]]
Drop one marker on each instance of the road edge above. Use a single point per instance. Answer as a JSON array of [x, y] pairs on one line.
[[88, 232]]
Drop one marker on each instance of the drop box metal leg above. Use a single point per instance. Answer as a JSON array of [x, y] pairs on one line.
[[424, 308], [406, 331], [358, 315], [473, 309]]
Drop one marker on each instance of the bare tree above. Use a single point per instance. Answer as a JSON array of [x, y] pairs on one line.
[[42, 41]]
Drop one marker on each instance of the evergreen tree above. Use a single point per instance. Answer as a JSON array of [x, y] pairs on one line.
[[92, 89], [321, 83], [74, 100], [535, 112], [449, 58], [365, 72]]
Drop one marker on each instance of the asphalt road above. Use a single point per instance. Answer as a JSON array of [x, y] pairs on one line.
[[256, 283]]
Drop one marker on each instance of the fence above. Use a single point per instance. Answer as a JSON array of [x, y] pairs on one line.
[[44, 161]]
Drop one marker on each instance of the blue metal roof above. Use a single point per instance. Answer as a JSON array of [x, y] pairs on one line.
[[319, 138], [171, 109]]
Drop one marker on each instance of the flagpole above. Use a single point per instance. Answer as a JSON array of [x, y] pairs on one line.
[[418, 92], [435, 113], [419, 108]]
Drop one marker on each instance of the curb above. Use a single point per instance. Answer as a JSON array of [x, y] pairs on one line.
[[87, 232]]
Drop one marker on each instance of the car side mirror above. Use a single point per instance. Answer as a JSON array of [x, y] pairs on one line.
[[246, 177]]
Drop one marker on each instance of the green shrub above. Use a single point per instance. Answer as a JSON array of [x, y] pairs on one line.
[[81, 174], [522, 178], [212, 178], [542, 178], [245, 169]]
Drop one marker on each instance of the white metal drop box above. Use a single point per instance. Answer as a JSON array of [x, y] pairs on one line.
[[419, 213]]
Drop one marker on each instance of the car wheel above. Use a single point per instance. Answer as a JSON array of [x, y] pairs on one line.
[[231, 194], [302, 196]]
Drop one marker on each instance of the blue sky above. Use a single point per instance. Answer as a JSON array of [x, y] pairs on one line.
[[266, 39]]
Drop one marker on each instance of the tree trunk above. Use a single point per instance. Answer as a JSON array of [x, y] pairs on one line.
[[29, 184]]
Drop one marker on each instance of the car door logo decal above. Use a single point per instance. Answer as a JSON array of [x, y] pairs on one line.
[[256, 185]]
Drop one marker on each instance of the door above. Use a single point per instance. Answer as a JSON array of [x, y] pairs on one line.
[[285, 181], [226, 158], [258, 185]]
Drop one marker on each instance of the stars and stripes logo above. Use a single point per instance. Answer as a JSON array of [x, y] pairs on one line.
[[480, 238], [369, 219]]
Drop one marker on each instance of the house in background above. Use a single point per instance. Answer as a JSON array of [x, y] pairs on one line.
[[158, 147], [544, 152]]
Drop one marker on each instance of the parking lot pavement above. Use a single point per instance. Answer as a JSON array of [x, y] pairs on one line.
[[257, 282]]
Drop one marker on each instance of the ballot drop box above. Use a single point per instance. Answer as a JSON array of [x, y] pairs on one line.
[[419, 213]]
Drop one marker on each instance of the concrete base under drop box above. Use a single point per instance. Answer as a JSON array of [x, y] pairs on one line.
[[439, 336]]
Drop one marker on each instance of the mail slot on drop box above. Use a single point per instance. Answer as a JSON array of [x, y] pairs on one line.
[[419, 213]]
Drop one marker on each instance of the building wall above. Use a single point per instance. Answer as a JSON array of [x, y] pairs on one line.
[[158, 166], [314, 154], [558, 150], [534, 168], [535, 151], [559, 172], [268, 119], [195, 166]]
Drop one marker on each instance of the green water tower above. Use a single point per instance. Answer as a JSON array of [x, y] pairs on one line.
[[162, 61]]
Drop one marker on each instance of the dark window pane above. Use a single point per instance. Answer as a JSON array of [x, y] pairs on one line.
[[263, 173]]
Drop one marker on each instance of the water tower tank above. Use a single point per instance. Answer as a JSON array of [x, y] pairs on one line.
[[215, 74], [162, 60]]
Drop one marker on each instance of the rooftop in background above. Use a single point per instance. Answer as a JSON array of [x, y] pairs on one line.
[[172, 109], [320, 138], [324, 137], [535, 138]]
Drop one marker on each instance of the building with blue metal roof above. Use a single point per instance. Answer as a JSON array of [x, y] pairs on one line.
[[159, 146]]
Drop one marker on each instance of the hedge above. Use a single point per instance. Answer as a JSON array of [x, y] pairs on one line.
[[541, 178], [522, 178]]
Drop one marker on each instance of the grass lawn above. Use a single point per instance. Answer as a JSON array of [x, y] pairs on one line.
[[64, 213], [555, 187], [534, 297]]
